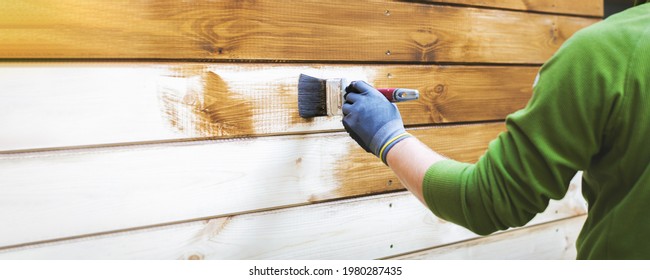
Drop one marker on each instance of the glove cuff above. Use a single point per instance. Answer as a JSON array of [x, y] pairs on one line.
[[389, 145], [387, 136]]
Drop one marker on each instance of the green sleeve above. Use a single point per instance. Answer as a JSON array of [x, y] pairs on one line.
[[546, 143]]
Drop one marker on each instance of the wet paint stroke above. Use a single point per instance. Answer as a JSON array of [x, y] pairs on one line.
[[203, 106], [361, 173], [232, 100], [228, 100]]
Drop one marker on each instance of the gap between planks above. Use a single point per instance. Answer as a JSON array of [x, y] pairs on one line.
[[199, 179], [217, 139], [442, 231], [199, 219], [195, 198], [128, 60], [485, 7]]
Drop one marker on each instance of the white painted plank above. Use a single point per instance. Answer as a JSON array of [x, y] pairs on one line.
[[86, 191], [551, 241], [365, 228], [79, 104]]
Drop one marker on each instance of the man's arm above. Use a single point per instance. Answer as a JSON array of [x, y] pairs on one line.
[[410, 159], [560, 131]]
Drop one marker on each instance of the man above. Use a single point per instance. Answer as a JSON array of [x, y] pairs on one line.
[[590, 111]]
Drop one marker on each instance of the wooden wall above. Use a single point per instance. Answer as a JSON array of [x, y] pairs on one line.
[[169, 129]]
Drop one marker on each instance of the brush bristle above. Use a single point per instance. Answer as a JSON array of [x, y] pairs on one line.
[[311, 97]]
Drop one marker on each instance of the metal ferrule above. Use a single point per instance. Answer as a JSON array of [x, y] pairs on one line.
[[404, 94], [335, 91]]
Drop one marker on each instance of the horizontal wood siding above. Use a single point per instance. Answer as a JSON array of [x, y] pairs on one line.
[[366, 228], [61, 105], [551, 241], [170, 130], [94, 190], [335, 30]]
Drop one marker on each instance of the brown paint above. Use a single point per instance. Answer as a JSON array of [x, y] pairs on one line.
[[230, 100], [186, 70], [223, 113], [430, 102], [554, 32], [425, 42], [366, 173], [361, 173], [439, 89], [170, 110], [278, 31], [210, 111], [353, 173]]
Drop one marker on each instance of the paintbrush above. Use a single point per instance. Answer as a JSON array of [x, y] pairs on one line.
[[325, 97]]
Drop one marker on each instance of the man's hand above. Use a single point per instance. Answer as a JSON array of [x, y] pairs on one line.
[[372, 120]]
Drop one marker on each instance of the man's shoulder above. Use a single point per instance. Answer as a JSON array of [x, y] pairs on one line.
[[616, 34]]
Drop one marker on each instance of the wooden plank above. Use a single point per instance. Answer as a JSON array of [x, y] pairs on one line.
[[337, 30], [551, 241], [366, 228], [61, 105], [593, 8], [96, 190]]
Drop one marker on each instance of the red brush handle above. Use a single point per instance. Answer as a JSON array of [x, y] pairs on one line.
[[399, 94], [388, 92]]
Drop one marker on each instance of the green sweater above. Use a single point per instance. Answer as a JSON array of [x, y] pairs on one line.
[[590, 111]]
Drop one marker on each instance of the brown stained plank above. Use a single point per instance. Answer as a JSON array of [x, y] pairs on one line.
[[365, 228], [594, 8], [336, 30], [366, 176], [126, 187], [461, 94], [80, 104], [551, 241]]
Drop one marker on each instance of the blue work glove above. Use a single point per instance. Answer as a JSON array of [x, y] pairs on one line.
[[372, 120]]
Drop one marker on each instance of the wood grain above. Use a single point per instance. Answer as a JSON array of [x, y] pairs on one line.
[[86, 191], [551, 241], [593, 8], [366, 228], [80, 104], [337, 30]]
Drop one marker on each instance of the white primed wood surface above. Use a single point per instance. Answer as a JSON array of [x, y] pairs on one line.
[[550, 241], [85, 191], [82, 104], [53, 105], [364, 228]]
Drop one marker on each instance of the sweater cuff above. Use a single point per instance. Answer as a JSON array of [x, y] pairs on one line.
[[442, 190]]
